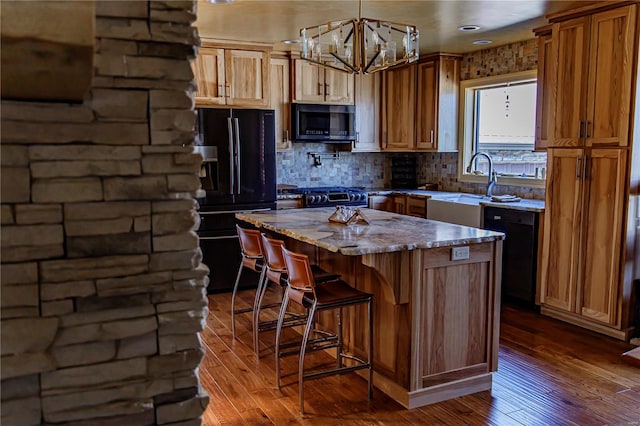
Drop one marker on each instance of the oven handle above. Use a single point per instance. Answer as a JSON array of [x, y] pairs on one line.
[[219, 238], [233, 211]]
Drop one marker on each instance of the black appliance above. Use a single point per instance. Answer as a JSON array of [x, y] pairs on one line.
[[238, 174], [323, 123], [324, 196], [519, 252]]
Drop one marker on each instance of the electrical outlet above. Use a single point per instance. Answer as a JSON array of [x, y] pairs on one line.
[[460, 253]]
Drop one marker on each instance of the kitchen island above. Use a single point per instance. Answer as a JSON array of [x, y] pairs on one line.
[[436, 290]]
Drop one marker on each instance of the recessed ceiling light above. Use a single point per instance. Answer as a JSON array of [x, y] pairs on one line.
[[482, 42], [290, 41], [469, 28]]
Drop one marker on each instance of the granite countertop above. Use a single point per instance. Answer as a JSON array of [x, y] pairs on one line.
[[387, 232], [524, 204]]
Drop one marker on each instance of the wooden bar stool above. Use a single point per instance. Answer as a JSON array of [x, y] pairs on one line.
[[252, 259], [276, 273], [302, 289]]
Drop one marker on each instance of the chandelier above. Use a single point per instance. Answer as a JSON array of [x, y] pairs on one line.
[[359, 45]]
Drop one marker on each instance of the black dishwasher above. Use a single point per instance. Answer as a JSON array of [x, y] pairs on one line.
[[519, 252]]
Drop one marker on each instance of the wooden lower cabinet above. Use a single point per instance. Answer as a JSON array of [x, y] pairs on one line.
[[582, 246], [454, 304], [400, 203], [381, 202], [436, 320], [291, 203], [416, 206]]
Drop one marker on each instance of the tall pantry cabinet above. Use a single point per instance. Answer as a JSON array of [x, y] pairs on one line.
[[589, 254]]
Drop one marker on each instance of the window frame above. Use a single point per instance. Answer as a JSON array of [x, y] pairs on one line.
[[466, 132]]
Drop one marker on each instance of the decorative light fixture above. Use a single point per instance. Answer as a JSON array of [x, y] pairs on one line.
[[359, 45]]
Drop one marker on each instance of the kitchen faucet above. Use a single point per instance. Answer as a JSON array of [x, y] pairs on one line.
[[493, 175]]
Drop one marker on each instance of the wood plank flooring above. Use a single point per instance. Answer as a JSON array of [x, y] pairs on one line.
[[549, 373]]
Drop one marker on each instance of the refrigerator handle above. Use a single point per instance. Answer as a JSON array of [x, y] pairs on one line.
[[232, 174], [238, 159]]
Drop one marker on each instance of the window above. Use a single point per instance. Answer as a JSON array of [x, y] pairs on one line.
[[498, 118]]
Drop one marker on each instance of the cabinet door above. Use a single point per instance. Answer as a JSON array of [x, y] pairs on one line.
[[398, 108], [381, 202], [309, 82], [427, 113], [209, 72], [569, 45], [400, 204], [368, 113], [610, 77], [562, 228], [247, 75], [280, 102], [417, 206], [543, 97], [603, 222], [338, 87]]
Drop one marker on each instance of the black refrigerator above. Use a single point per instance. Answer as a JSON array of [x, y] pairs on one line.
[[238, 174]]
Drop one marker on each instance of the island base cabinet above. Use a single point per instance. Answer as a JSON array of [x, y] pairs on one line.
[[436, 320], [455, 323]]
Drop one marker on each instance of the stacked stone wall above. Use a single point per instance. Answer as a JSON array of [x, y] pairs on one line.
[[102, 286]]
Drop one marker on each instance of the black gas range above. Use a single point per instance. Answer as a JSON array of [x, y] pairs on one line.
[[324, 196]]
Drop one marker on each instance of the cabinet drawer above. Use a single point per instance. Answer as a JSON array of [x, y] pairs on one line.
[[295, 203], [416, 207]]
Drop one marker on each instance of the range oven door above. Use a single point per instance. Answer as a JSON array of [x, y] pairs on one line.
[[221, 250]]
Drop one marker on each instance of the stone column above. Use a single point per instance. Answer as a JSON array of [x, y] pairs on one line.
[[103, 290]]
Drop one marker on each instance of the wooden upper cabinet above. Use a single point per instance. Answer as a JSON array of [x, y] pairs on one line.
[[420, 105], [281, 102], [308, 81], [317, 84], [593, 64], [232, 77], [339, 87], [613, 43], [398, 108], [368, 113], [437, 104], [569, 44], [247, 75], [545, 84], [208, 69]]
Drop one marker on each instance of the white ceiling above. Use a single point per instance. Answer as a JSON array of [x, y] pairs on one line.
[[270, 21]]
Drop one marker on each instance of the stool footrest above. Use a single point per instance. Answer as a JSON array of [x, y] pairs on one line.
[[291, 321], [316, 344], [244, 310], [340, 370]]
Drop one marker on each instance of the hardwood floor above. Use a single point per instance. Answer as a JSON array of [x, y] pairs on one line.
[[549, 373]]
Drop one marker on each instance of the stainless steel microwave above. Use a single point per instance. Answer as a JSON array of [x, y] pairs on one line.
[[323, 123]]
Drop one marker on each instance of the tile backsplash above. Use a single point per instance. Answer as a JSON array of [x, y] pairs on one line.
[[296, 167], [373, 170]]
